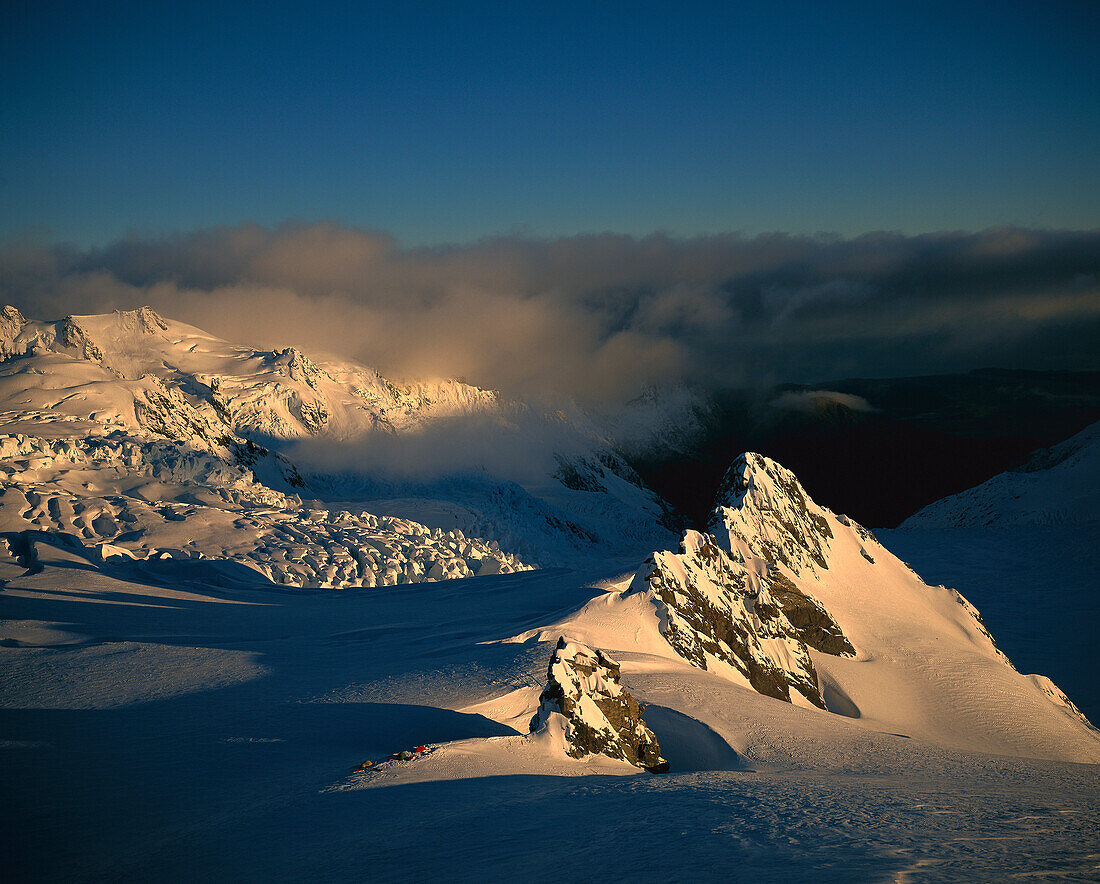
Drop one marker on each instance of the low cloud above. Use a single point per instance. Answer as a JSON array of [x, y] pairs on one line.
[[518, 445], [815, 401], [600, 317]]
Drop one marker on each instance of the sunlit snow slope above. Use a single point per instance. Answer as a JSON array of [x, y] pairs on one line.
[[1025, 546], [771, 599]]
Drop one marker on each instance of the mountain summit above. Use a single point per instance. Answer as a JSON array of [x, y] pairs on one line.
[[797, 603]]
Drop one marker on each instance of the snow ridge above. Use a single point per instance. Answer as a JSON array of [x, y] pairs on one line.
[[780, 576], [1059, 485]]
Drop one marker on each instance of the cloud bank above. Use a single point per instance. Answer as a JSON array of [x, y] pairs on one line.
[[600, 317]]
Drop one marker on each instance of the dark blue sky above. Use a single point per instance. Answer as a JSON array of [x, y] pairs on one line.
[[452, 122]]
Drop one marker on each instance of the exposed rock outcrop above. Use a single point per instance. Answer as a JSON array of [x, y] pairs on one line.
[[740, 596], [713, 609], [72, 335], [812, 623], [600, 716]]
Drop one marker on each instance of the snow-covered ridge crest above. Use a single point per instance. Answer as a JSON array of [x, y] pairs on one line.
[[782, 576], [76, 334], [594, 714], [1059, 485]]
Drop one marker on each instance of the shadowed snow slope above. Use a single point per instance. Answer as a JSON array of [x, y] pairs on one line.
[[1025, 546], [1059, 485]]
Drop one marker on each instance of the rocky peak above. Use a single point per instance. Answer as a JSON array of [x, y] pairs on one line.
[[600, 716], [144, 319], [73, 336], [11, 324], [715, 610], [298, 367], [11, 320], [763, 511]]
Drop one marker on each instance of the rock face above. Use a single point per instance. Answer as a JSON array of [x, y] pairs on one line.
[[600, 716], [767, 521], [11, 324], [714, 610], [740, 595], [813, 625], [764, 510]]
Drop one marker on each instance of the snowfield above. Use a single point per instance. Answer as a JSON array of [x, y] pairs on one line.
[[193, 732], [217, 665]]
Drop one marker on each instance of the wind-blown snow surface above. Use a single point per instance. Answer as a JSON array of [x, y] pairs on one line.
[[193, 733], [1026, 547], [1036, 588]]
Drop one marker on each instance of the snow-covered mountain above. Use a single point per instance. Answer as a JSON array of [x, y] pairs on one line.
[[546, 484], [792, 673], [1059, 485], [659, 424], [278, 394], [795, 602]]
